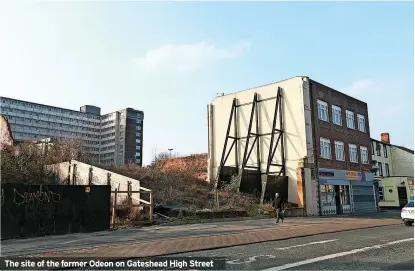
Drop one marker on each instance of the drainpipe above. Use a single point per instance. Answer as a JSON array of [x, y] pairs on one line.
[[313, 127]]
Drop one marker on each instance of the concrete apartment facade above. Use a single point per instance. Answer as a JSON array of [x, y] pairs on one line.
[[122, 137], [114, 138], [395, 172], [312, 122]]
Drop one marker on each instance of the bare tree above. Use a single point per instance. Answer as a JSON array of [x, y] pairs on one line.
[[167, 155], [162, 156], [66, 150]]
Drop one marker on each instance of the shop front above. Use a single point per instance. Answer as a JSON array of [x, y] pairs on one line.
[[410, 184], [345, 192]]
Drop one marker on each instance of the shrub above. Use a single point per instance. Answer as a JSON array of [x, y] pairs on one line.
[[182, 187], [25, 162]]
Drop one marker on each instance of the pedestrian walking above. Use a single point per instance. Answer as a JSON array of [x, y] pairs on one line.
[[278, 205]]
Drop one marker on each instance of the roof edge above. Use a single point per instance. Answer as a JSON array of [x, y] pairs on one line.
[[264, 85]]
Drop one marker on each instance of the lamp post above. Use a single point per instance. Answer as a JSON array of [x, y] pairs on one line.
[[170, 152]]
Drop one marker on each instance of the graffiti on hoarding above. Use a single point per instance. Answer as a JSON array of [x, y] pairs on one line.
[[40, 196], [39, 210]]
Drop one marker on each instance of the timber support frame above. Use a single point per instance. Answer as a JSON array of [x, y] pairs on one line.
[[277, 139]]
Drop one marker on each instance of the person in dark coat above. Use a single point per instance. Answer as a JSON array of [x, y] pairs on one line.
[[278, 205]]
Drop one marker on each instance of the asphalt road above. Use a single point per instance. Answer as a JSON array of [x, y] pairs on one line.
[[383, 248]]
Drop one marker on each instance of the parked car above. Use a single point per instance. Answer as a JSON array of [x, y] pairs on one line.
[[407, 213]]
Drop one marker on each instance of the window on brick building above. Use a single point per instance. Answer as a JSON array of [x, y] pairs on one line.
[[336, 115], [339, 149], [361, 123], [325, 148], [323, 113], [364, 155], [350, 119], [353, 153]]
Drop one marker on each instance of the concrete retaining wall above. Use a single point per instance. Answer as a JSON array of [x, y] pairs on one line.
[[78, 173]]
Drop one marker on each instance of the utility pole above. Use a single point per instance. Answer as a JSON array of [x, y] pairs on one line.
[[170, 152]]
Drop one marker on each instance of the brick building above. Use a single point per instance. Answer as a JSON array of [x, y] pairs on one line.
[[341, 131], [307, 139]]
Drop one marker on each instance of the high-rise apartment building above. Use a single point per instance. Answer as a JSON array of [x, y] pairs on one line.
[[114, 138]]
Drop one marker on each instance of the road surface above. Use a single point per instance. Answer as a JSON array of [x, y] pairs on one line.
[[383, 248], [246, 245], [19, 247]]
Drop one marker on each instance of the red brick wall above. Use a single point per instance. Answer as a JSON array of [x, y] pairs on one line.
[[341, 133]]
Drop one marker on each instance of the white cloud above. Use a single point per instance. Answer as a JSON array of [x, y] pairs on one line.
[[188, 57]]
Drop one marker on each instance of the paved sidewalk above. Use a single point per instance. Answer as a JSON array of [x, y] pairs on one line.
[[215, 237]]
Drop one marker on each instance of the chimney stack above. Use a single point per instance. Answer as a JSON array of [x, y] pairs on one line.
[[384, 137]]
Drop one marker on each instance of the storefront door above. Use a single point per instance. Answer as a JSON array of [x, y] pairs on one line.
[[345, 199], [338, 199], [335, 199]]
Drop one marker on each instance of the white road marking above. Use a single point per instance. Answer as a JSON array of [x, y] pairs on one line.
[[336, 255], [250, 259], [68, 242], [303, 245]]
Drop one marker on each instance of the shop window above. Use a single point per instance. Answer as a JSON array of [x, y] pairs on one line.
[[381, 194], [328, 195], [345, 194]]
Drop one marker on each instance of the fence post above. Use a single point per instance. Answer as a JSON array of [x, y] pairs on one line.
[[151, 208], [129, 194], [68, 179], [216, 198], [114, 207], [74, 174], [90, 176]]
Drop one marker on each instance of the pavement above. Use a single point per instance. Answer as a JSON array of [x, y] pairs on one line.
[[381, 248], [165, 240]]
